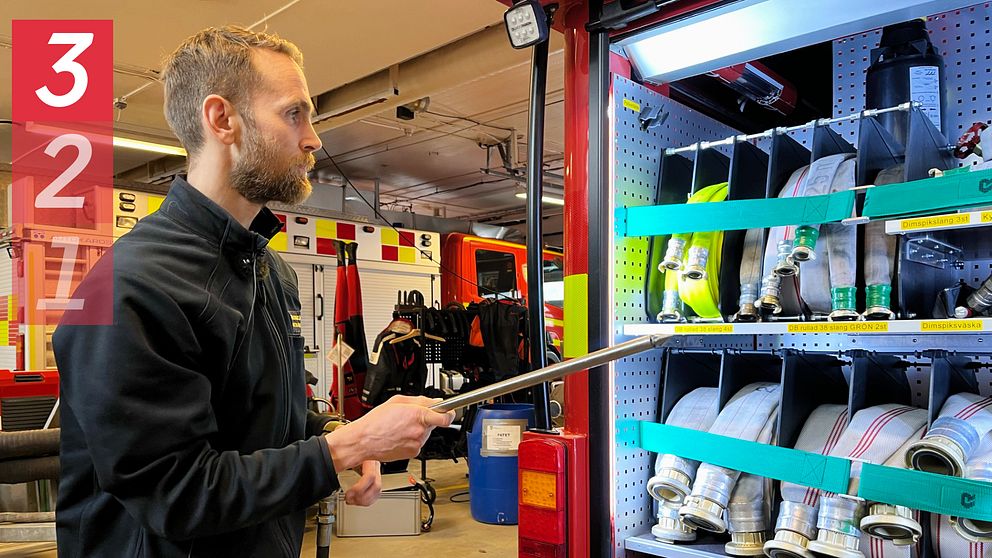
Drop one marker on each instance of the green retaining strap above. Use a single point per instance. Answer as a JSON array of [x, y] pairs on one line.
[[831, 474], [734, 215], [930, 195], [926, 491]]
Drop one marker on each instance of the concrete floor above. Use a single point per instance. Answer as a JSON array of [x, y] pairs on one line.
[[454, 532]]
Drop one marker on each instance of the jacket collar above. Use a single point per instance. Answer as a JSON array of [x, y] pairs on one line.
[[189, 206]]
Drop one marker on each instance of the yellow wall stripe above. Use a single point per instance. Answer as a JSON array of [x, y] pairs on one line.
[[576, 315]]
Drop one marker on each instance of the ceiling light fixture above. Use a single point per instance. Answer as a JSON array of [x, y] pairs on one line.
[[545, 199], [125, 143]]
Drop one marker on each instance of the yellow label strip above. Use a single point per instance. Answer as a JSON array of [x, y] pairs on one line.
[[951, 325], [952, 220], [632, 105], [850, 327], [714, 328]]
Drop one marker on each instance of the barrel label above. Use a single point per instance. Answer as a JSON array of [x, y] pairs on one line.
[[500, 437]]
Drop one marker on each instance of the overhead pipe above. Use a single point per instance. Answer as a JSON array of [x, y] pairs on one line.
[[29, 443]]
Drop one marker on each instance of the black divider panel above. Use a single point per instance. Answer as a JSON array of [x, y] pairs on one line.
[[926, 148], [808, 381], [949, 374], [741, 369], [684, 372], [787, 155], [827, 142], [674, 184], [709, 167], [748, 172], [877, 379], [877, 150]]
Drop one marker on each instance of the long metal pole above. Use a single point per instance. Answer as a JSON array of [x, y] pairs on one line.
[[557, 370], [535, 240]]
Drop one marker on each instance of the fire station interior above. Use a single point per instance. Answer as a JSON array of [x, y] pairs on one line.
[[415, 259]]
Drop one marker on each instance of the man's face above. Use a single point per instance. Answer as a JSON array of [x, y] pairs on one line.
[[278, 140]]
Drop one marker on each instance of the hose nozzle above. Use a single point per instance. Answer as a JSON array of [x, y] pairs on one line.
[[674, 253], [748, 311], [892, 523], [695, 267], [945, 448], [795, 527], [671, 308], [670, 527], [673, 481], [785, 266], [704, 508], [843, 304], [838, 522], [771, 292], [804, 245], [878, 302]]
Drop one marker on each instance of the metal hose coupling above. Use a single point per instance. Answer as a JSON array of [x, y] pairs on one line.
[[795, 527], [771, 294], [703, 509], [981, 300], [892, 523], [748, 517], [671, 308], [748, 311], [674, 253], [673, 480], [804, 245], [695, 265], [975, 530], [670, 527], [838, 522], [843, 302], [945, 448], [785, 266], [878, 302]]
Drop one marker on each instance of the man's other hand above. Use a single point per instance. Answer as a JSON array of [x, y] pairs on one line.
[[366, 491]]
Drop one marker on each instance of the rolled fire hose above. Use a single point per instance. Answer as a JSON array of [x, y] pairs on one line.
[[750, 508], [750, 276], [873, 435], [745, 417], [880, 257], [948, 543], [819, 181], [778, 262], [699, 283], [671, 307], [673, 475], [964, 420], [979, 467], [796, 524], [29, 469], [675, 252], [843, 255], [897, 524]]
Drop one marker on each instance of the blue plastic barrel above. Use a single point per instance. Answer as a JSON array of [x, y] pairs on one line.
[[492, 461]]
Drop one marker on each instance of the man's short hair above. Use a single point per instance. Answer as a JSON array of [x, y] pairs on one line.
[[215, 61]]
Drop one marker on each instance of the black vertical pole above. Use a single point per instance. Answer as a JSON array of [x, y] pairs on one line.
[[535, 240], [600, 315]]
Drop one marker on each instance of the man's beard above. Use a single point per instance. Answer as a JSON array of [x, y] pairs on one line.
[[261, 175]]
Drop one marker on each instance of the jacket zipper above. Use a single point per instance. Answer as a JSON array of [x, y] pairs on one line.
[[283, 362]]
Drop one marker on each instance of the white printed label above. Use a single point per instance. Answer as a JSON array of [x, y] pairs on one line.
[[340, 353], [924, 88], [500, 437]]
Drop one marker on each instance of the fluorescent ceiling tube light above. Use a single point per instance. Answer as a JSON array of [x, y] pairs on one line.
[[748, 30], [126, 143], [545, 199]]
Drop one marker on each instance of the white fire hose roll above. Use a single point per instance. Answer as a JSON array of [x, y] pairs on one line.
[[745, 417], [750, 276], [897, 524], [819, 181], [842, 256], [796, 524], [673, 475], [750, 508], [873, 435], [778, 262], [948, 543], [880, 257], [964, 420], [979, 467]]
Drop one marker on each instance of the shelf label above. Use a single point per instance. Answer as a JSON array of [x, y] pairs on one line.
[[713, 328], [951, 325], [632, 105], [987, 216], [952, 220], [834, 327]]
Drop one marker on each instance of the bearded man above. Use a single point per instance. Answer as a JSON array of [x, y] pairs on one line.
[[185, 430]]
